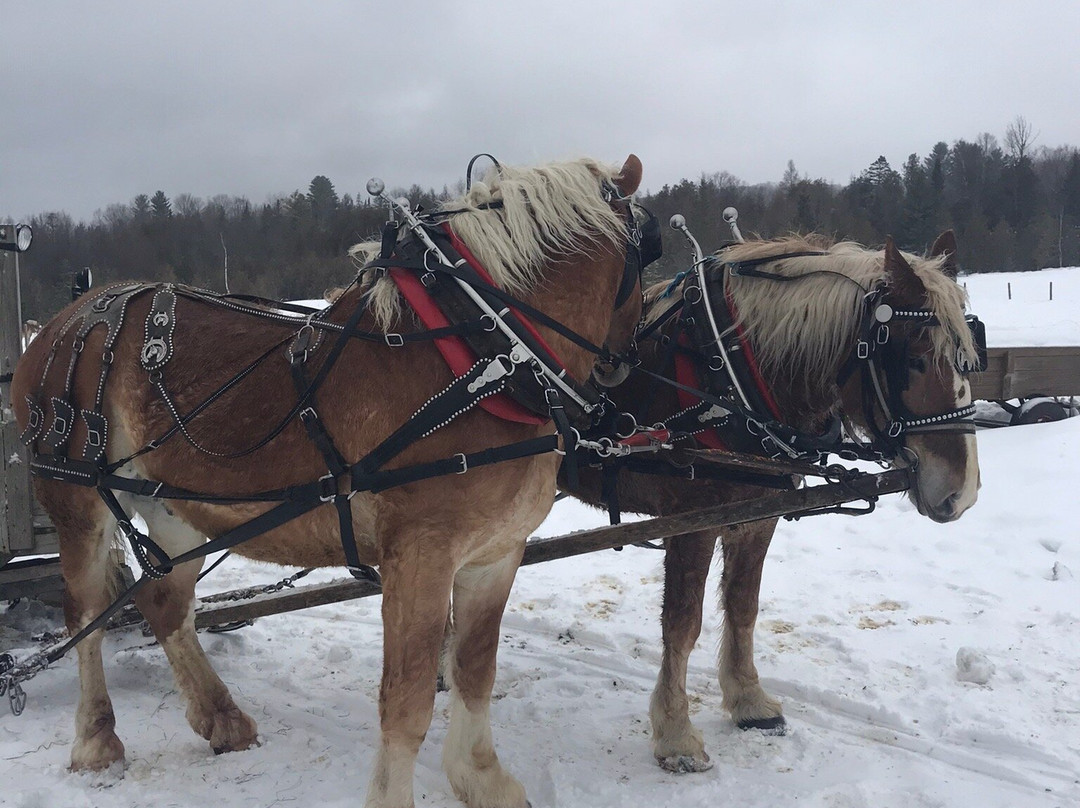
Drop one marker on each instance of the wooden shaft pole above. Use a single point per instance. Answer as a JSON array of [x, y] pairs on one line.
[[583, 541]]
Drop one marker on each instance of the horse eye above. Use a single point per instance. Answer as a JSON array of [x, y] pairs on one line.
[[917, 363]]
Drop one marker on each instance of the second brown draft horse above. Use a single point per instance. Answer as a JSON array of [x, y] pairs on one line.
[[798, 307]]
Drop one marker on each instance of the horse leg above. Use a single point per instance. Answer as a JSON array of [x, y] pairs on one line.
[[750, 706], [442, 684], [85, 528], [168, 605], [415, 596], [677, 743], [469, 759]]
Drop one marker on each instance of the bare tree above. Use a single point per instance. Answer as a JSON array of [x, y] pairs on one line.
[[1019, 137]]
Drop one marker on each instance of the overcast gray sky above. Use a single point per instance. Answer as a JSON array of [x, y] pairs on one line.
[[102, 101]]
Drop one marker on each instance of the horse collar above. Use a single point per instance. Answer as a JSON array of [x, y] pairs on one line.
[[466, 294]]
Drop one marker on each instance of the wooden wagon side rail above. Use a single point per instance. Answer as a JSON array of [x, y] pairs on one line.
[[1025, 372], [222, 611]]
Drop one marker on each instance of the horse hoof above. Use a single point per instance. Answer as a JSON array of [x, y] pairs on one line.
[[232, 731], [97, 753], [684, 764], [776, 725]]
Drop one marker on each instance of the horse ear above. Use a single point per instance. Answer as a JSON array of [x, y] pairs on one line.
[[630, 176], [945, 244], [902, 277]]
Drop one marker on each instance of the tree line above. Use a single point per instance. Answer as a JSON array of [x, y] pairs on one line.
[[1013, 207]]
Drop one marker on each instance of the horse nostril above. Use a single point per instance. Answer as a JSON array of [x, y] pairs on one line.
[[947, 506]]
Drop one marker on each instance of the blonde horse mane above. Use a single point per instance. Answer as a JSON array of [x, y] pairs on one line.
[[546, 211], [809, 327]]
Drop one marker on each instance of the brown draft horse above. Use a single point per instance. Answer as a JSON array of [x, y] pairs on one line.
[[801, 333], [557, 238]]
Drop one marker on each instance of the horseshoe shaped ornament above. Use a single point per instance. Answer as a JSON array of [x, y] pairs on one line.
[[157, 344], [154, 353]]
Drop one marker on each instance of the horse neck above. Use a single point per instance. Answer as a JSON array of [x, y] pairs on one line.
[[805, 390], [579, 293], [804, 400]]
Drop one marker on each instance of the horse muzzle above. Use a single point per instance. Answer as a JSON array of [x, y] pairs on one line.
[[943, 492]]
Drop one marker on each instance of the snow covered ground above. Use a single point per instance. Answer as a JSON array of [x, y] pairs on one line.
[[1030, 318], [862, 624]]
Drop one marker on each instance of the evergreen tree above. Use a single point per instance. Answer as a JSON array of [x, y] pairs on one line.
[[935, 165], [323, 199], [878, 194], [1022, 189], [790, 178], [298, 206], [161, 206], [919, 225], [140, 207]]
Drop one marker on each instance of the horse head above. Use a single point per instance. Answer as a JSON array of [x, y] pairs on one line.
[[930, 380], [879, 337]]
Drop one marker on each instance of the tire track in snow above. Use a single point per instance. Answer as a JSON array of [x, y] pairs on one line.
[[1001, 759]]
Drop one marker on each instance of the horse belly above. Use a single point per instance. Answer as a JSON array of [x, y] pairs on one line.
[[312, 540]]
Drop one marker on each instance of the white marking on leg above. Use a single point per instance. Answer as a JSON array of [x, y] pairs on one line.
[[470, 762]]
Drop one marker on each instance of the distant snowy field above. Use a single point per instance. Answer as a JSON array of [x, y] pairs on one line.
[[862, 621], [1030, 318]]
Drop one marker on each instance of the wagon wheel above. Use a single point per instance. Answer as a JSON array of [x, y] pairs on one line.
[[1040, 412]]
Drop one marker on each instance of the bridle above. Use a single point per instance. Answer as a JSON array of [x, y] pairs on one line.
[[879, 354], [882, 359], [643, 243], [643, 240]]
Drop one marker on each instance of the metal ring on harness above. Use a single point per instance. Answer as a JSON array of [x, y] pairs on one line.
[[327, 488], [633, 425]]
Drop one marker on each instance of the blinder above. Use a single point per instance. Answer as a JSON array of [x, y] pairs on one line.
[[644, 245], [879, 349], [978, 337], [884, 313]]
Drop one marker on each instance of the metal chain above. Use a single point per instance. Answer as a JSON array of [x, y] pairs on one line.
[[12, 676], [13, 673], [255, 591]]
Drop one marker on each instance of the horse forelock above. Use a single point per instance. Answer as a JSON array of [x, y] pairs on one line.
[[808, 327], [546, 211]]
